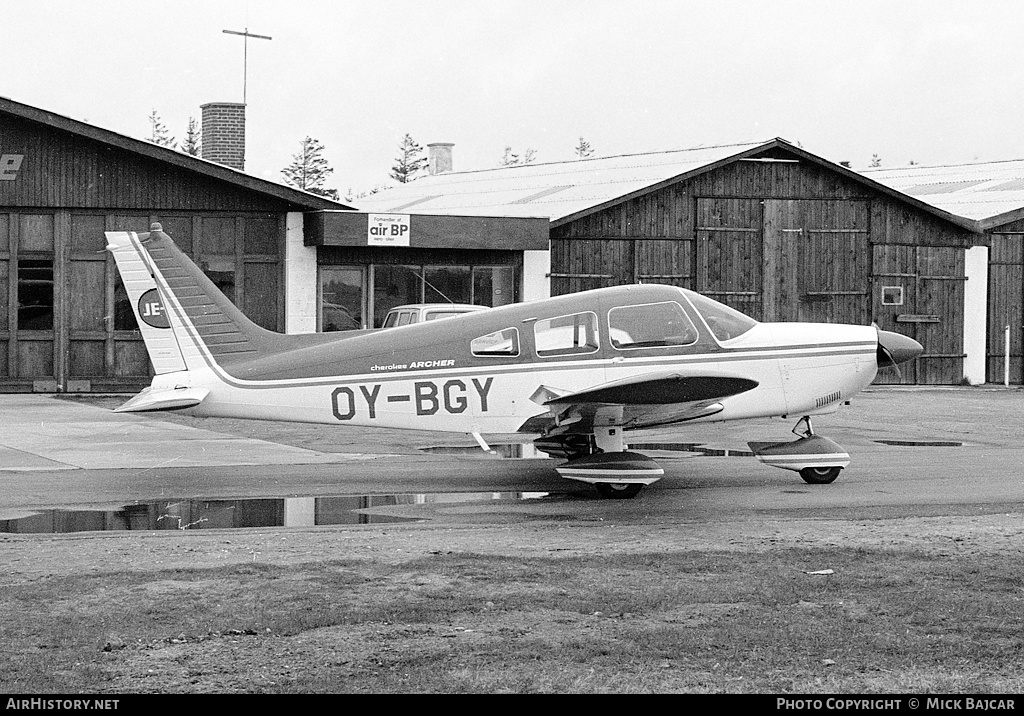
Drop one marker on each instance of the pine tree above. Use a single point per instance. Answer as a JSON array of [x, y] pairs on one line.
[[408, 163], [309, 170], [509, 159], [583, 149], [158, 132], [192, 142]]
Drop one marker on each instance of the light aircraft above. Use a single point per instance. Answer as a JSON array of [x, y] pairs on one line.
[[576, 370]]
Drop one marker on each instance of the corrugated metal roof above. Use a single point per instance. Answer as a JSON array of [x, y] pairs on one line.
[[982, 191], [553, 190]]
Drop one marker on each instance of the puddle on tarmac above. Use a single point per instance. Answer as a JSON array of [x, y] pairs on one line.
[[299, 511], [226, 514]]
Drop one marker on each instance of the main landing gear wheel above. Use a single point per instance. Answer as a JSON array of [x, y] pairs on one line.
[[820, 475], [618, 490]]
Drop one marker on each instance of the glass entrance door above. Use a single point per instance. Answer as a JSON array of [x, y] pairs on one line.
[[342, 298]]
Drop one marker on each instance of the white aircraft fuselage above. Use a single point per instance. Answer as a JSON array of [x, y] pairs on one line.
[[423, 387]]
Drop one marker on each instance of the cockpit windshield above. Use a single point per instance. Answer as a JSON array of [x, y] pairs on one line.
[[726, 323]]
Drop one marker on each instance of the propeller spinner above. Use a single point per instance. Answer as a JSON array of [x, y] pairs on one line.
[[895, 348]]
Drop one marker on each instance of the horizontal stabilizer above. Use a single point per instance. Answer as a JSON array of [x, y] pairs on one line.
[[149, 400], [661, 388]]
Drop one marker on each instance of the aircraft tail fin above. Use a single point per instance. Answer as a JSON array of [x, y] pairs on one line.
[[137, 276], [186, 321]]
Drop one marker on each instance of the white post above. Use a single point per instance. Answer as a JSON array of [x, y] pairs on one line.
[[536, 282], [1006, 361], [300, 279], [975, 314]]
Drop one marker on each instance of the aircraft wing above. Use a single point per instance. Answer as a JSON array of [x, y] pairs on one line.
[[655, 398]]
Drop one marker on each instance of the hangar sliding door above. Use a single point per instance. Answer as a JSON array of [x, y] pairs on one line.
[[833, 263], [919, 292], [730, 252], [786, 259], [59, 311], [28, 333], [104, 347]]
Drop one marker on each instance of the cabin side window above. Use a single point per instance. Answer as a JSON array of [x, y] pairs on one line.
[[503, 343], [653, 325], [566, 335]]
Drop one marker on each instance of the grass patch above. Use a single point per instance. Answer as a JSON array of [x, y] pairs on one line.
[[884, 621]]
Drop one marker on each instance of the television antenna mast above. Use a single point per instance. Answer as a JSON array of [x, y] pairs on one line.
[[245, 56]]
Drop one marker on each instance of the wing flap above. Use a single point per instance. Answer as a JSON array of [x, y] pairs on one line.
[[662, 388], [657, 398]]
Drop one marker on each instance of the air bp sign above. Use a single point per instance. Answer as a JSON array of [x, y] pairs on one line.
[[388, 230], [151, 310]]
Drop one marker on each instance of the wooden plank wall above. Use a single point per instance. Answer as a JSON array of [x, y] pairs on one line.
[[61, 169]]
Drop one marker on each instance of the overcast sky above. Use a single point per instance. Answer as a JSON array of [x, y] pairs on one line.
[[933, 81]]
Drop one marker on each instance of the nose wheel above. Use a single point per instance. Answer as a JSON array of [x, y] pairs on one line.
[[618, 490], [818, 460], [820, 475]]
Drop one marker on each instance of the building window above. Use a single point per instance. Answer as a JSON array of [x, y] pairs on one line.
[[35, 295], [447, 284], [373, 290], [892, 295]]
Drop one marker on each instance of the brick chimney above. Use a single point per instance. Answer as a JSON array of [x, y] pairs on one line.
[[224, 133], [439, 158]]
